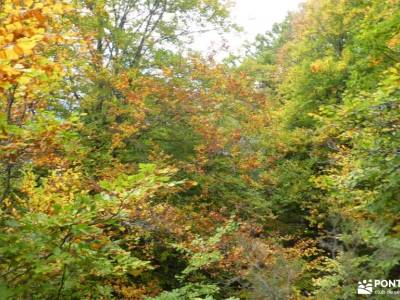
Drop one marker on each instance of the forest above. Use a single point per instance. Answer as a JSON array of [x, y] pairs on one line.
[[134, 168]]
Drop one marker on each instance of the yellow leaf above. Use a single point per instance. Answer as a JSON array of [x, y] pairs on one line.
[[8, 70], [18, 50], [26, 45], [68, 8], [28, 3], [40, 31], [10, 27], [14, 26], [38, 5], [8, 8], [23, 80], [18, 26], [47, 10], [11, 54], [9, 37], [37, 37], [58, 8]]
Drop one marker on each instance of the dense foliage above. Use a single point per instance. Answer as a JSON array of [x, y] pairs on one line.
[[132, 168], [333, 71]]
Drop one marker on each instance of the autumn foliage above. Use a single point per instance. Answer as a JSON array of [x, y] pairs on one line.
[[132, 168]]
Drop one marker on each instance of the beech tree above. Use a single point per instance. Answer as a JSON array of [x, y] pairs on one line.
[[134, 168]]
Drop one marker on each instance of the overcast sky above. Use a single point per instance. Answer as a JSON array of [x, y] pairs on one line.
[[255, 16]]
